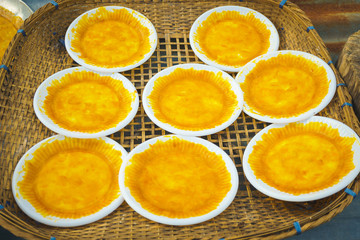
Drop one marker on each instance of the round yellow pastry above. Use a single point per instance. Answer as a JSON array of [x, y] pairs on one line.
[[285, 86], [230, 38], [110, 38], [87, 102], [71, 178], [178, 179], [191, 99], [302, 158]]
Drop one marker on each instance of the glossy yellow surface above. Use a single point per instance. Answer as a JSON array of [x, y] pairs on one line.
[[232, 39], [192, 99], [71, 178], [285, 86], [87, 102], [177, 179], [111, 38], [302, 158]]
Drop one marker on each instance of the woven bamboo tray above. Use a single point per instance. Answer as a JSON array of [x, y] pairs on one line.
[[30, 59]]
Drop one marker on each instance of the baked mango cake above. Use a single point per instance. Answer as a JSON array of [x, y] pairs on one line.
[[71, 178], [190, 99], [231, 38], [302, 158], [110, 38], [87, 102], [177, 178], [285, 86]]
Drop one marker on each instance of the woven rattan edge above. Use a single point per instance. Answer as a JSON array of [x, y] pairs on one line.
[[317, 219], [13, 224], [324, 215], [16, 230]]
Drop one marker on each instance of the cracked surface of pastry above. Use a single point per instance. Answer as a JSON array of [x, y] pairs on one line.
[[233, 39], [178, 179], [71, 178], [300, 158], [192, 99]]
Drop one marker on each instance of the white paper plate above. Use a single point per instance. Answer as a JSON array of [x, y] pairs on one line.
[[27, 208], [240, 78], [149, 111], [42, 92], [274, 35], [141, 18], [180, 221], [344, 131]]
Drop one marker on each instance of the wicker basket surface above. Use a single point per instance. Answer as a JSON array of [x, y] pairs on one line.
[[34, 57]]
